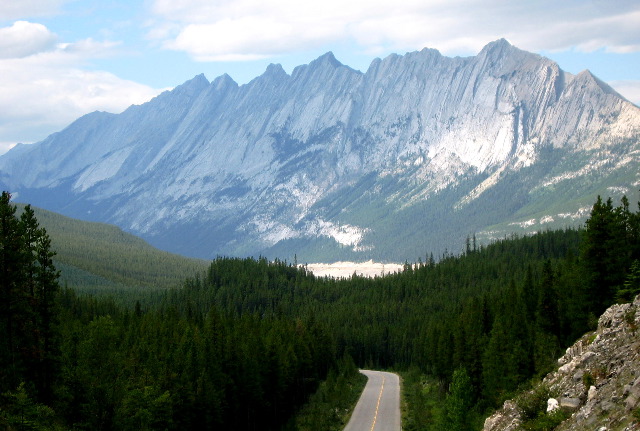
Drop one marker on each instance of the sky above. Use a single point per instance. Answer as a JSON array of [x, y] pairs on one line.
[[61, 59]]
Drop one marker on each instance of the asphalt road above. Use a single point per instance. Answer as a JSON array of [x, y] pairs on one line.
[[378, 408]]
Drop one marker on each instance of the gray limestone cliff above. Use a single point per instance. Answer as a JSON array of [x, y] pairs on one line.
[[597, 382], [411, 155]]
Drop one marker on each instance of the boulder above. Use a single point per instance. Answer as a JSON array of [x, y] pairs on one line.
[[593, 392], [570, 403], [552, 405]]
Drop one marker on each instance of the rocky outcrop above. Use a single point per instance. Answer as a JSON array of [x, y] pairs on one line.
[[597, 382]]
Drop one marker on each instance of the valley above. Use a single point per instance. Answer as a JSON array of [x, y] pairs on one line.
[[481, 323], [430, 235]]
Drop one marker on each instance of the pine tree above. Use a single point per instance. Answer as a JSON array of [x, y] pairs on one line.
[[597, 248], [547, 323], [631, 286], [11, 281], [457, 406], [28, 279], [547, 318]]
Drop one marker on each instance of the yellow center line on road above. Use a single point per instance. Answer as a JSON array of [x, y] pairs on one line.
[[375, 417]]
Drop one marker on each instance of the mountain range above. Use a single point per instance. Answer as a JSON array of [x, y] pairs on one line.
[[328, 163]]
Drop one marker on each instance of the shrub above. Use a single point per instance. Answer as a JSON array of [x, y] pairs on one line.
[[533, 404], [546, 422]]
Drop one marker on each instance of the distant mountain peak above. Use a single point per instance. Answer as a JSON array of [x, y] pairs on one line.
[[326, 61], [223, 81], [275, 70], [499, 43], [273, 73], [431, 51], [503, 48], [587, 76], [193, 86], [328, 58], [197, 81]]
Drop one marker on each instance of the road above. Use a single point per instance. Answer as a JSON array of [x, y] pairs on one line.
[[378, 408]]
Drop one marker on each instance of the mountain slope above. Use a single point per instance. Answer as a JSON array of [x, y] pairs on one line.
[[96, 255], [332, 163]]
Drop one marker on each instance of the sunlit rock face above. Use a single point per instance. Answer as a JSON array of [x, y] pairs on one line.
[[410, 156]]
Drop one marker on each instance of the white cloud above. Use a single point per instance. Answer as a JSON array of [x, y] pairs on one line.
[[19, 9], [254, 28], [47, 89], [90, 48], [249, 29], [25, 38]]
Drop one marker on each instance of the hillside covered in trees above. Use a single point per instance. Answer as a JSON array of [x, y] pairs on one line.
[[245, 343], [93, 257]]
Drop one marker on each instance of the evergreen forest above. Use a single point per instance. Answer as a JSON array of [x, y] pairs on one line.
[[252, 344]]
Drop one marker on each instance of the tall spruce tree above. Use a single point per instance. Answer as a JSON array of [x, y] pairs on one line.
[[11, 281], [29, 347], [598, 248], [42, 279]]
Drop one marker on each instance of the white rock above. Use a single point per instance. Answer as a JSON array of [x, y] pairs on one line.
[[568, 368], [592, 393]]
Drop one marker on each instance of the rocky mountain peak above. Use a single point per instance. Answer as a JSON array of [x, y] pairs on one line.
[[597, 382], [325, 64], [326, 59], [195, 85], [499, 50], [275, 70], [222, 82], [499, 45], [273, 77], [588, 78], [500, 58]]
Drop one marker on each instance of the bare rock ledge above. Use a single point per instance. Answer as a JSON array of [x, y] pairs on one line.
[[608, 361]]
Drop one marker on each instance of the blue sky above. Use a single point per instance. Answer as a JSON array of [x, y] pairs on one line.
[[60, 59]]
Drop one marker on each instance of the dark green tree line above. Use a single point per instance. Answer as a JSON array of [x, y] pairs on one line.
[[244, 344]]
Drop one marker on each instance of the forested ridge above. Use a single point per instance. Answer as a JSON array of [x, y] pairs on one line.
[[245, 343], [97, 256]]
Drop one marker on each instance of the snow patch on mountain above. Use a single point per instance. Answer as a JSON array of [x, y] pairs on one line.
[[579, 214], [595, 165], [481, 188], [272, 231], [617, 190], [524, 224], [343, 234]]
